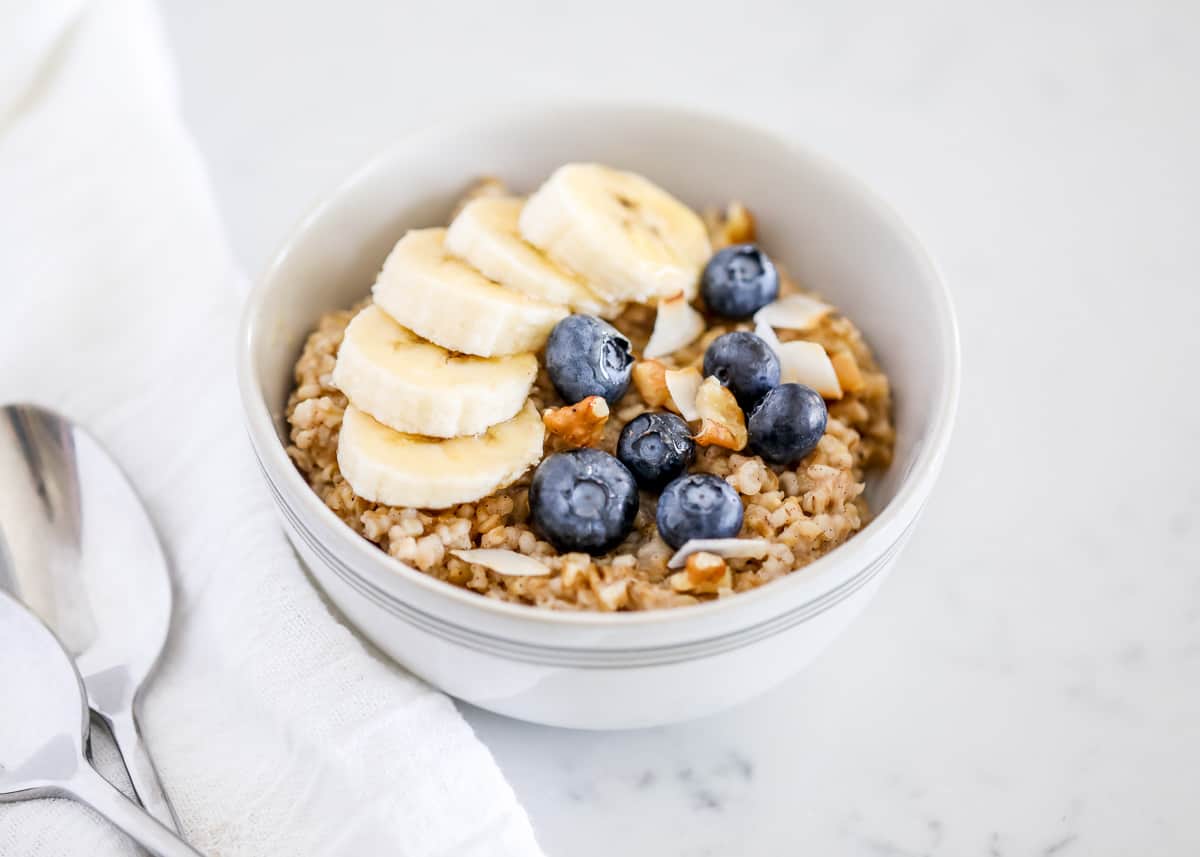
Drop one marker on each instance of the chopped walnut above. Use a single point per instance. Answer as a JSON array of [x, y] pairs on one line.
[[581, 424], [722, 422], [575, 569], [650, 378], [714, 434], [734, 225], [613, 596], [704, 573], [848, 373]]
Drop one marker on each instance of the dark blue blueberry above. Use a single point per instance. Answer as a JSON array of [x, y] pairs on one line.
[[656, 447], [787, 423], [745, 364], [588, 357], [583, 500], [739, 281], [700, 506]]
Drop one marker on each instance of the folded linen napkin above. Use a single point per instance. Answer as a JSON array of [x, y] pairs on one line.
[[275, 730]]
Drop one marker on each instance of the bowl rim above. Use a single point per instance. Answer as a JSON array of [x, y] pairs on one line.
[[858, 552]]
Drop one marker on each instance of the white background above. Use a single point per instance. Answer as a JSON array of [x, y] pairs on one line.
[[1028, 681]]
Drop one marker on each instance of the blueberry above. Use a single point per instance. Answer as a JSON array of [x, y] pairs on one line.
[[656, 447], [745, 364], [739, 280], [700, 506], [787, 424], [583, 500], [588, 357]]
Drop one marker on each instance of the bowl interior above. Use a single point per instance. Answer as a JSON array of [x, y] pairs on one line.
[[829, 232]]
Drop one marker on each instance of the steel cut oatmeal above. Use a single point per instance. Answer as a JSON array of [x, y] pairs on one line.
[[800, 509]]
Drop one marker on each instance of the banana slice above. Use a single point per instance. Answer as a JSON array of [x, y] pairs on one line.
[[452, 305], [629, 238], [386, 466], [485, 236], [415, 386]]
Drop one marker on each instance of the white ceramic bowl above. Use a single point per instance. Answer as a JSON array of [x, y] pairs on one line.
[[634, 669]]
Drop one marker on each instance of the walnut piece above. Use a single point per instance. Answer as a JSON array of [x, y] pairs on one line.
[[613, 596], [714, 434], [650, 378], [848, 373], [581, 424], [734, 225], [575, 569], [722, 422], [704, 573]]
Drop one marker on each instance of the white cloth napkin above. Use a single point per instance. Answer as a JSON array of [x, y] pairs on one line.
[[276, 731]]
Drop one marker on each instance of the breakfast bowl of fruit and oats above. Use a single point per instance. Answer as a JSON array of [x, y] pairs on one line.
[[600, 416]]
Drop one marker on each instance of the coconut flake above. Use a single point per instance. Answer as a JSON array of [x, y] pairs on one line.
[[802, 362], [727, 548], [722, 421], [677, 324], [795, 312], [767, 334], [683, 385], [506, 562]]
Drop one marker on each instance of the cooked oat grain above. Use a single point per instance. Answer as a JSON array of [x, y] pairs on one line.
[[803, 511]]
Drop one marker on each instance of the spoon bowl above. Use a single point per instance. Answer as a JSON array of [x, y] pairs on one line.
[[44, 719], [78, 549], [44, 732]]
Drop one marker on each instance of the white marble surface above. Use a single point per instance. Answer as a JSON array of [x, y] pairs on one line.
[[1027, 681]]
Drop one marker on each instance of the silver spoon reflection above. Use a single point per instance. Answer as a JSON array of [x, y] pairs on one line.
[[44, 731], [78, 549]]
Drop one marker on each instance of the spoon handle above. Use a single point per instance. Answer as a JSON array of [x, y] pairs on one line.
[[142, 774], [92, 789]]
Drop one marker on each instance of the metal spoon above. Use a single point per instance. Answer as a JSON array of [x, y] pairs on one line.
[[77, 548], [44, 730]]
